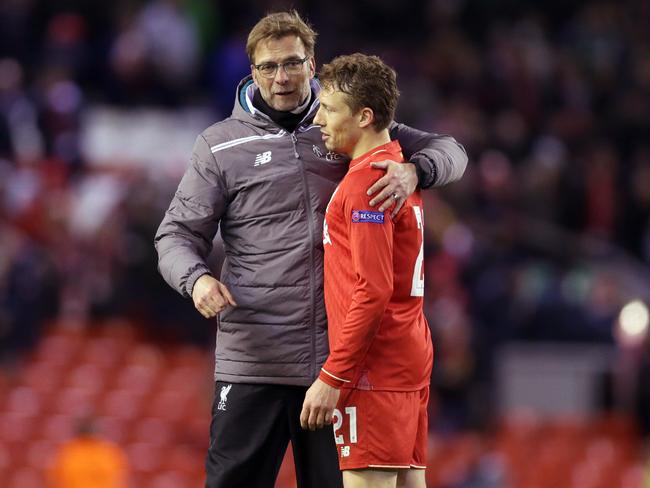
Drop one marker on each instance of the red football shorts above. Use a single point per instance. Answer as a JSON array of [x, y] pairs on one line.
[[381, 429]]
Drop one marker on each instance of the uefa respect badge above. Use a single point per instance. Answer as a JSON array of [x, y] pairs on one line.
[[367, 216]]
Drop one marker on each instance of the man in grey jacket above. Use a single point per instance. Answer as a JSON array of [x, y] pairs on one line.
[[264, 176]]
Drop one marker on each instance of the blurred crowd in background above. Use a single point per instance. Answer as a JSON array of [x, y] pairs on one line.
[[545, 238]]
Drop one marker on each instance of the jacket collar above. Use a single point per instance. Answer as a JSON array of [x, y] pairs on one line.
[[244, 109]]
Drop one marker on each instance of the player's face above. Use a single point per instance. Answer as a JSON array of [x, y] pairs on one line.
[[339, 126], [282, 91]]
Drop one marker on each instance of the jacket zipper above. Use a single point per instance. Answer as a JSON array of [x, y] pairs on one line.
[[312, 279], [294, 140], [310, 217]]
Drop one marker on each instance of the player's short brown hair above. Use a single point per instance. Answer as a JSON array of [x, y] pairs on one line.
[[278, 25], [367, 81]]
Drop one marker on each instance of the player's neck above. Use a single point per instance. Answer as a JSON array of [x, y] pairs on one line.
[[370, 140]]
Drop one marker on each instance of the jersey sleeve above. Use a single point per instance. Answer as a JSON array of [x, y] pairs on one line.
[[371, 244]]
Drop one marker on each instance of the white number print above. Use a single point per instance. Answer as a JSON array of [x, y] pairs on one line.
[[326, 234], [417, 285], [338, 422]]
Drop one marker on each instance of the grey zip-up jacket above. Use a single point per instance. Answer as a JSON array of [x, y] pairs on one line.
[[267, 189]]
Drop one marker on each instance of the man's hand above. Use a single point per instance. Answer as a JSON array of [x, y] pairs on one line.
[[396, 185], [211, 296], [319, 404]]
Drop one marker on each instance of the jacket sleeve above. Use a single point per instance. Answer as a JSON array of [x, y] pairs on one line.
[[371, 246], [439, 159], [184, 238]]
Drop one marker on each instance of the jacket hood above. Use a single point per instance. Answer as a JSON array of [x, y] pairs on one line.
[[245, 111]]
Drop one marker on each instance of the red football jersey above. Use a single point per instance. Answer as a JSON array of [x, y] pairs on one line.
[[378, 336]]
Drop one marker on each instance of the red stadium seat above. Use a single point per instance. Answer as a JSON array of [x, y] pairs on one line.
[[155, 402]]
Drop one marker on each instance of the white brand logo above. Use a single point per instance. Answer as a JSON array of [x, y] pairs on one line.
[[345, 451], [262, 158], [317, 151], [223, 397]]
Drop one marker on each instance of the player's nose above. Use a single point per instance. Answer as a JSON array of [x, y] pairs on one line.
[[318, 120]]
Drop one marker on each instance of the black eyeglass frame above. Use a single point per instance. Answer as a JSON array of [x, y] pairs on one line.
[[277, 66]]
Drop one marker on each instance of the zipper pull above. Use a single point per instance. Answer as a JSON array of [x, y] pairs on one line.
[[294, 139]]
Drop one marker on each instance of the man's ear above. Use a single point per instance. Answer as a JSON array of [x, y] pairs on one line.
[[254, 74], [367, 116], [312, 67]]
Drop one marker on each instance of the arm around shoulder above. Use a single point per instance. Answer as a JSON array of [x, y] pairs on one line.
[[439, 159]]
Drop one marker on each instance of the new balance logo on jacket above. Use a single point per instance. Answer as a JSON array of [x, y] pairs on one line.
[[262, 158]]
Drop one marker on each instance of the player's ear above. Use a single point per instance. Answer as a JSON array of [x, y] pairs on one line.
[[366, 117], [312, 66]]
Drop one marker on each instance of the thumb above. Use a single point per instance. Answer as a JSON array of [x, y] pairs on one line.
[[227, 295]]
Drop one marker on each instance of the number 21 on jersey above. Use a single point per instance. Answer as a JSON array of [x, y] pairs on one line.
[[417, 285]]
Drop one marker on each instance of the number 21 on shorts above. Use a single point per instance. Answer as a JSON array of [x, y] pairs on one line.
[[337, 417]]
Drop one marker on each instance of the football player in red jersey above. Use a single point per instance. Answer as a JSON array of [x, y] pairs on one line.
[[374, 386]]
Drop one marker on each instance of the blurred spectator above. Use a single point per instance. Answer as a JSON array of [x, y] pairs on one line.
[[155, 54], [88, 461], [20, 136]]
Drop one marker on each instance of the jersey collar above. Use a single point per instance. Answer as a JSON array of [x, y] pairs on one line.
[[391, 150]]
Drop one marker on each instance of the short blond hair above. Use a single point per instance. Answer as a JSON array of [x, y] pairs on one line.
[[278, 25], [367, 81]]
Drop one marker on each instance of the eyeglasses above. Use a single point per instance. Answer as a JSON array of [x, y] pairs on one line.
[[291, 67]]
